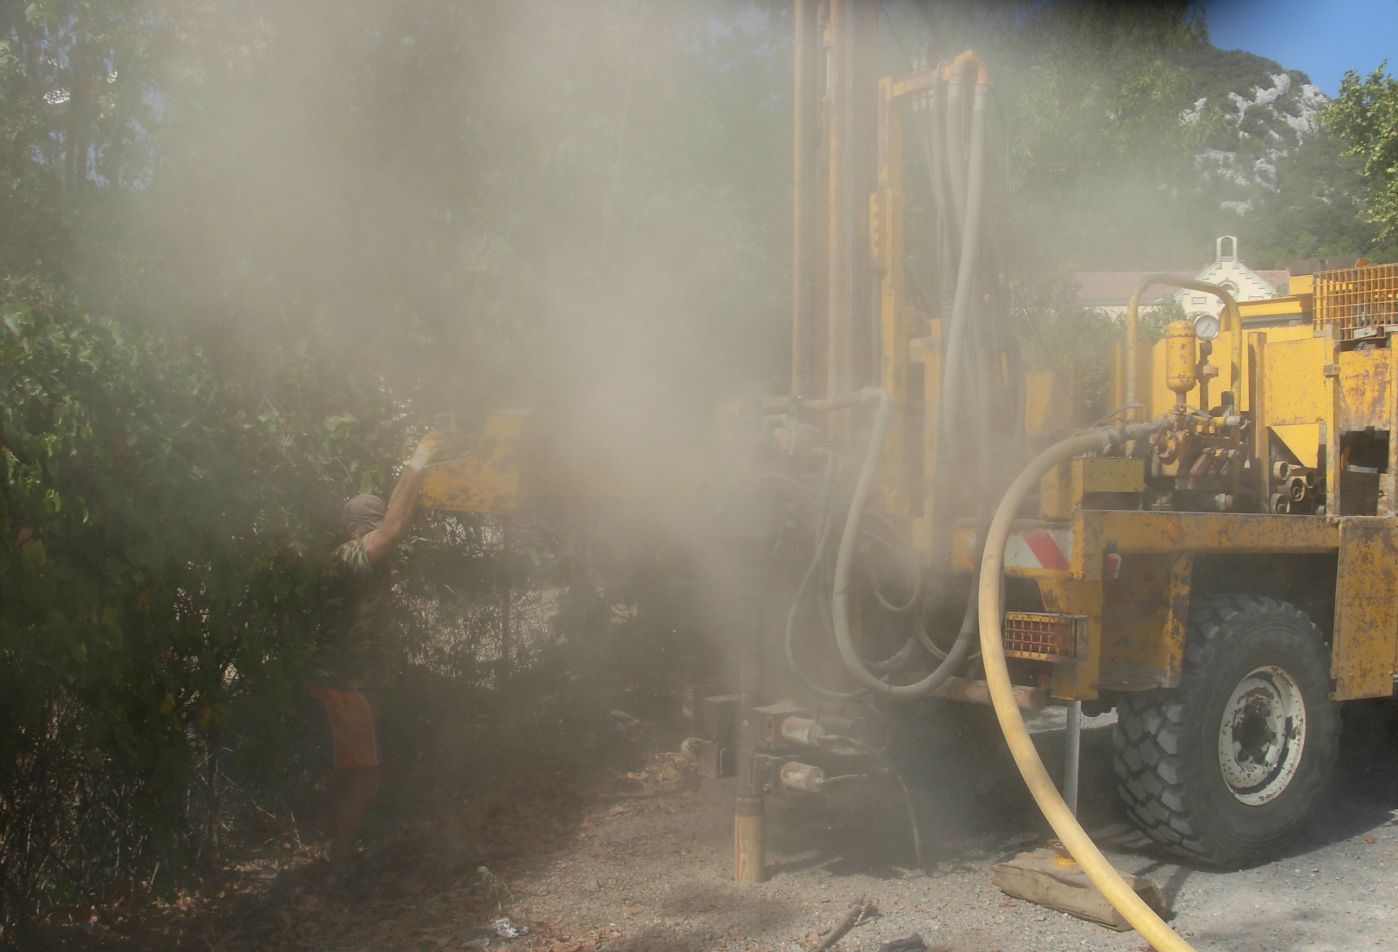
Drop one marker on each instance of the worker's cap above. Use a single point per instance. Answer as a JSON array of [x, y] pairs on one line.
[[365, 511]]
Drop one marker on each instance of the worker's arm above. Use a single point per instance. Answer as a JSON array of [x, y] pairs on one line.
[[398, 514]]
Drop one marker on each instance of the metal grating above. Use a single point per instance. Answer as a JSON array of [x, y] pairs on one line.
[[1043, 636], [1357, 302]]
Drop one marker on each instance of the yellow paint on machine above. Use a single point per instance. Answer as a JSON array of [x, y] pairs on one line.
[[1365, 651], [487, 480], [512, 467]]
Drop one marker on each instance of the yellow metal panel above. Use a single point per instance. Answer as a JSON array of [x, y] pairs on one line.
[[1048, 403], [1151, 380], [1056, 493], [1303, 440], [1388, 481], [1145, 617], [1365, 399], [1273, 308], [1301, 284], [1290, 332], [1097, 532], [927, 351], [1366, 610], [1100, 531], [1294, 386], [470, 485], [1067, 488], [963, 547], [485, 480], [1108, 475]]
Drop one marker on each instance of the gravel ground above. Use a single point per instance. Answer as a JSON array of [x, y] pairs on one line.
[[611, 860], [653, 872]]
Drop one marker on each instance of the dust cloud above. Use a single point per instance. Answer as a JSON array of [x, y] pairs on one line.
[[582, 210], [539, 204]]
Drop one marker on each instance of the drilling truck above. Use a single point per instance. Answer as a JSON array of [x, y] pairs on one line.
[[1215, 557]]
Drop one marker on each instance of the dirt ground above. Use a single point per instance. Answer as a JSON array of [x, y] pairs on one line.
[[654, 874], [639, 856]]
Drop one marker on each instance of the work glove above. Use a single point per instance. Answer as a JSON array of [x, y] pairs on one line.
[[426, 451]]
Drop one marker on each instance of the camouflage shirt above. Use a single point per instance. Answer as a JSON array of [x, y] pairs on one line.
[[355, 638]]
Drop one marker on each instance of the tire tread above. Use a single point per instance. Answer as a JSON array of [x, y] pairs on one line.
[[1151, 746]]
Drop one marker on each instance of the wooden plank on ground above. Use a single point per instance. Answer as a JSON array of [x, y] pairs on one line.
[[1047, 878]]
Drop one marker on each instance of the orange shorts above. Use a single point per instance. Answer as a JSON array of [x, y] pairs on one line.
[[351, 726]]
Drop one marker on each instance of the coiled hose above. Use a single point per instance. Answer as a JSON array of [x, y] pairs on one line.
[[991, 597], [844, 561], [897, 546]]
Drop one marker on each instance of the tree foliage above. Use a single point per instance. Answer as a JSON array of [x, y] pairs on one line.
[[1365, 116], [1316, 210], [153, 527], [319, 229]]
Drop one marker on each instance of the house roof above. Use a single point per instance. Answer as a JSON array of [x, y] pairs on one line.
[[1114, 288]]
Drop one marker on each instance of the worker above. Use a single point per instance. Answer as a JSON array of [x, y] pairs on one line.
[[355, 651]]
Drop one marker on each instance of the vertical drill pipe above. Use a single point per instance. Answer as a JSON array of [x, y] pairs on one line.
[[936, 167], [749, 854], [1072, 755], [863, 182], [893, 350], [807, 331], [506, 598], [1334, 484], [839, 80], [1261, 434]]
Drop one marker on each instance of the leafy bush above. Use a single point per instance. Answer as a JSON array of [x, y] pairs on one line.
[[164, 519], [160, 529]]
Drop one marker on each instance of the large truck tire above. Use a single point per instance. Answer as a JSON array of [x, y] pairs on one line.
[[1228, 767]]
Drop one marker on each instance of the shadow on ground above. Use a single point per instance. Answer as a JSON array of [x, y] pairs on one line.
[[968, 794], [423, 885]]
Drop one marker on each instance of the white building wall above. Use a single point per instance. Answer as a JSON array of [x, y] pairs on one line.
[[1234, 276]]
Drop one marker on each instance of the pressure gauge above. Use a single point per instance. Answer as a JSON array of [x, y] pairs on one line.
[[1206, 326]]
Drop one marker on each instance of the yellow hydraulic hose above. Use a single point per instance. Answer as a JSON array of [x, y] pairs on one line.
[[1107, 880]]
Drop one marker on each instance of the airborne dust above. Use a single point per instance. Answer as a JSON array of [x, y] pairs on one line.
[[583, 210]]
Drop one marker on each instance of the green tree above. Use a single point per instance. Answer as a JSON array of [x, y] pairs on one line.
[[1365, 116], [1316, 209], [159, 531], [1088, 98]]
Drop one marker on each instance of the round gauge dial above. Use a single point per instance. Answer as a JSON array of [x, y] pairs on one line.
[[1206, 326]]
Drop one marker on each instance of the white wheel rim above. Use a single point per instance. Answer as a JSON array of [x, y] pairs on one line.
[[1262, 735]]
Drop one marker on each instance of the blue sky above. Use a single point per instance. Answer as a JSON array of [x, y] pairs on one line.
[[1322, 38]]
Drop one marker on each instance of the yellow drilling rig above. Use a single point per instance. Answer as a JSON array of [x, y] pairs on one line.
[[1216, 559]]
